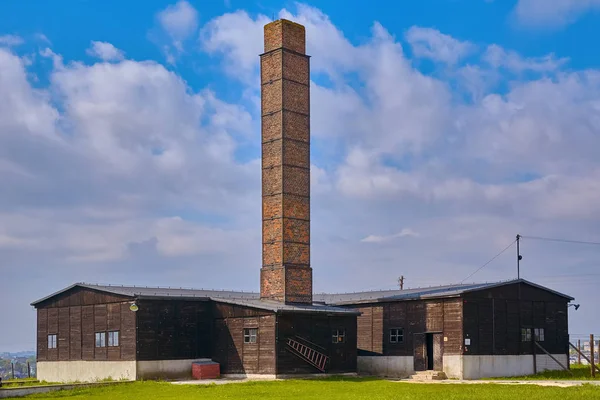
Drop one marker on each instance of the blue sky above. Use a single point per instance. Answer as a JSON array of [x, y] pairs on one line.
[[129, 144]]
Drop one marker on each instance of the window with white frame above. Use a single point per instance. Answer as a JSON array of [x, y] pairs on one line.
[[338, 336], [539, 334], [250, 335], [100, 339], [52, 341], [113, 339], [396, 335]]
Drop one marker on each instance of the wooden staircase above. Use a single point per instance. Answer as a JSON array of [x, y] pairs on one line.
[[307, 353]]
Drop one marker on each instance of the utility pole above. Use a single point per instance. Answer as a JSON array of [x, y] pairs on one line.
[[401, 282], [519, 258], [579, 351]]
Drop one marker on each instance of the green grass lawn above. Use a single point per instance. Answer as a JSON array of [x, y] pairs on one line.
[[325, 389], [580, 372]]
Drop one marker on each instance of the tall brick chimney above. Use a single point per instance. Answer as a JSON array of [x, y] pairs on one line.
[[286, 274]]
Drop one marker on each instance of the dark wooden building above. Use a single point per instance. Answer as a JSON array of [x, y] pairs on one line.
[[468, 331], [87, 332]]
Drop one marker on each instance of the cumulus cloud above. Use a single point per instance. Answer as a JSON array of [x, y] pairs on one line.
[[553, 13], [10, 40], [177, 23], [105, 51], [120, 171], [406, 232], [431, 43], [499, 57]]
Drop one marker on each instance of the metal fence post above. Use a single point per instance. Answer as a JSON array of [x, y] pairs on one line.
[[592, 356]]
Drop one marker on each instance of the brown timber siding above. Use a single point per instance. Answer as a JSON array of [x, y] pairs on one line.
[[493, 320], [235, 356], [414, 317], [173, 330], [318, 329], [75, 318]]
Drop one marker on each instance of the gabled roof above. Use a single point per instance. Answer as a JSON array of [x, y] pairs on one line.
[[326, 303], [246, 299], [419, 293]]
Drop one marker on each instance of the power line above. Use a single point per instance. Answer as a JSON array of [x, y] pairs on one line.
[[492, 259], [560, 240]]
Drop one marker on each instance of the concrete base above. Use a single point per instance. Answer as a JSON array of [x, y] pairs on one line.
[[461, 367], [166, 369], [85, 371], [476, 367], [386, 366]]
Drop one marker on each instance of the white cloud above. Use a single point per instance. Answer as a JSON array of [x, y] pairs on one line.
[[121, 171], [180, 21], [406, 232], [10, 40], [553, 13], [498, 57], [105, 51], [176, 24], [431, 43]]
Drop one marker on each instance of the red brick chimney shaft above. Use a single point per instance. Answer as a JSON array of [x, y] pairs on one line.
[[286, 274]]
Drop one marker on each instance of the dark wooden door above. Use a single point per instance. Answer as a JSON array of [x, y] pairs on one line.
[[420, 360], [438, 352]]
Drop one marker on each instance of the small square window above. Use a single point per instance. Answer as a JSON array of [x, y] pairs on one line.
[[250, 335], [100, 339], [396, 335], [338, 336], [113, 339], [52, 341], [539, 334], [525, 334]]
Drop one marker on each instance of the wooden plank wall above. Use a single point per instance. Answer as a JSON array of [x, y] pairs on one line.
[[235, 356], [76, 327], [493, 320], [413, 317], [173, 330], [81, 297], [318, 329]]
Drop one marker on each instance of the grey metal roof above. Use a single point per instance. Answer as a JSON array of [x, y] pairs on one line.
[[247, 299], [327, 303], [418, 293], [156, 292]]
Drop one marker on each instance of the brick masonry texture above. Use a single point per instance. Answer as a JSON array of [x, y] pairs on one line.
[[272, 253], [296, 207], [272, 281], [286, 34], [295, 68], [295, 97], [297, 230], [272, 180], [296, 180], [296, 253], [296, 278], [296, 126], [271, 126], [270, 69], [272, 95], [272, 230], [286, 274], [272, 206], [271, 153], [296, 153]]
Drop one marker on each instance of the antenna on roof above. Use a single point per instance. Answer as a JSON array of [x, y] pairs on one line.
[[401, 282]]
